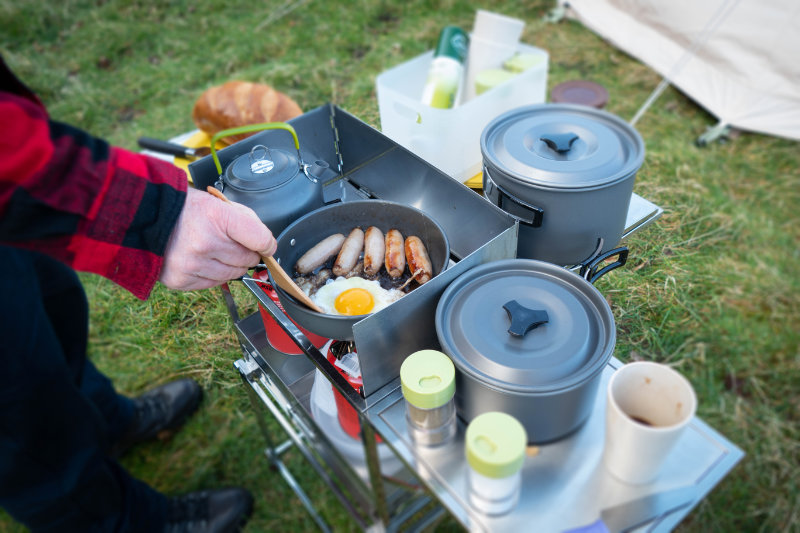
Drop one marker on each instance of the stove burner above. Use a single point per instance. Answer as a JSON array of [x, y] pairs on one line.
[[341, 348]]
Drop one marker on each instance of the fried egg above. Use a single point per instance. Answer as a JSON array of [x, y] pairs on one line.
[[354, 296]]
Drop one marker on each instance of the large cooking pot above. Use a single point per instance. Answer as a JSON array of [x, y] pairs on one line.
[[528, 338], [274, 182], [307, 231], [566, 172]]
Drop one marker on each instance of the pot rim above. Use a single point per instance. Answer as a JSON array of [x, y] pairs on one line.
[[528, 391], [533, 176]]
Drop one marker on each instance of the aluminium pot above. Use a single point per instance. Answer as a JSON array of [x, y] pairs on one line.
[[566, 172], [307, 231], [528, 338]]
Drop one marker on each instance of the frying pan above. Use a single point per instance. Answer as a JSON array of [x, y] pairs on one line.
[[307, 231]]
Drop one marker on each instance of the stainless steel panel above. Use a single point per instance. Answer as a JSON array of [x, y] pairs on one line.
[[388, 171], [641, 213], [384, 339]]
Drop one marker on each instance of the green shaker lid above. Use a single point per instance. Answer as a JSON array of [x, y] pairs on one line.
[[428, 379], [453, 42], [495, 444], [490, 78], [522, 62]]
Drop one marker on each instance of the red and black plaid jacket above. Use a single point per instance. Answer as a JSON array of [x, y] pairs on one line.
[[95, 207]]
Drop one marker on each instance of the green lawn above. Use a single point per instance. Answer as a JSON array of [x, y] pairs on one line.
[[713, 288]]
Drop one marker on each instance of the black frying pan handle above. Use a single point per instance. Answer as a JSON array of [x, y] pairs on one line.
[[164, 147]]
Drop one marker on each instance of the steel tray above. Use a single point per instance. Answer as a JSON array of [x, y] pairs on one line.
[[565, 485]]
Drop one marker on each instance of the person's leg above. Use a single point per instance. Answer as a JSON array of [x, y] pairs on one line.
[[54, 471], [129, 421], [64, 303]]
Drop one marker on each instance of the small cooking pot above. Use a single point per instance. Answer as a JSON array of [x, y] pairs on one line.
[[528, 338], [307, 231], [566, 172], [275, 183]]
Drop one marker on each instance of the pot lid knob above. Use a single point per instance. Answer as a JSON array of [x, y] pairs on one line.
[[559, 142], [523, 319]]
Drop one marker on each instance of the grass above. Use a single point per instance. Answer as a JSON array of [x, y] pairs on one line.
[[712, 288]]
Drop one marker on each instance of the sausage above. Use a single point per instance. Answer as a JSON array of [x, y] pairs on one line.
[[395, 257], [348, 255], [418, 259], [374, 249], [319, 253]]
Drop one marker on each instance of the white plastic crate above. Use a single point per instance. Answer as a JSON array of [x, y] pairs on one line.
[[450, 139]]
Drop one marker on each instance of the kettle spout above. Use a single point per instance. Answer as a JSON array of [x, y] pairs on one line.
[[319, 170]]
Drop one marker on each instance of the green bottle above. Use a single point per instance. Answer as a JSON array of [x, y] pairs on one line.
[[446, 72]]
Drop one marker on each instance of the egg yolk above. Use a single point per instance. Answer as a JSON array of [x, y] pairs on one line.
[[354, 302]]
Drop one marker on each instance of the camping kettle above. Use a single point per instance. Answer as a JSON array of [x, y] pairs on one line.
[[273, 182]]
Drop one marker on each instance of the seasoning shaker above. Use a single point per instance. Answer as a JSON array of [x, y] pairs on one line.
[[495, 448], [428, 383]]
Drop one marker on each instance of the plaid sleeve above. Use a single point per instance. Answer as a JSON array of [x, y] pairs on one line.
[[95, 207]]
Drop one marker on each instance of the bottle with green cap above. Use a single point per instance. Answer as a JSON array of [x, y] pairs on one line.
[[443, 85], [428, 382], [495, 445]]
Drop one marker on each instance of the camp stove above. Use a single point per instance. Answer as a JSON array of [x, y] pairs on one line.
[[369, 165]]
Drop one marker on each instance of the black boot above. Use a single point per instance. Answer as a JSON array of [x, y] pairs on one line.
[[210, 511], [160, 411]]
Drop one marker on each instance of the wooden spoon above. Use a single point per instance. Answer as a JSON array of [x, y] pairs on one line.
[[280, 276]]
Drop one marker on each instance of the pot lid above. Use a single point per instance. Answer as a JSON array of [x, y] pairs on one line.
[[561, 146], [582, 92], [526, 326], [262, 168]]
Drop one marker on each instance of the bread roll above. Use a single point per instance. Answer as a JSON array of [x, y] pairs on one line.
[[239, 103]]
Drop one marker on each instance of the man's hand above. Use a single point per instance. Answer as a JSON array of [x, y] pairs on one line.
[[213, 242]]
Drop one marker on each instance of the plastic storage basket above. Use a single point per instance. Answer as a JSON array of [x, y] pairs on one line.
[[449, 139]]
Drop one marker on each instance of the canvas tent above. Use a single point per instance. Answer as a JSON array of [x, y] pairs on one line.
[[736, 58]]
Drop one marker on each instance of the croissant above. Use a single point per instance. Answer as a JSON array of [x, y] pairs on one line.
[[239, 103]]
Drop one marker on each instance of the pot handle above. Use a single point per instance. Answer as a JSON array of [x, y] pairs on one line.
[[249, 129], [524, 319], [589, 271], [489, 186]]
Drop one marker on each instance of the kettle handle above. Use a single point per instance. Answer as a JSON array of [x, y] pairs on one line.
[[249, 129]]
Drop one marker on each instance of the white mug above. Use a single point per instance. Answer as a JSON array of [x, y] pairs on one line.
[[648, 406]]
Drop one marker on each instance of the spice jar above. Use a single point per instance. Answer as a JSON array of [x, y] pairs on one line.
[[495, 448], [428, 383]]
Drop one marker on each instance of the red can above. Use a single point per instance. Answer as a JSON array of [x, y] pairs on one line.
[[346, 413]]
